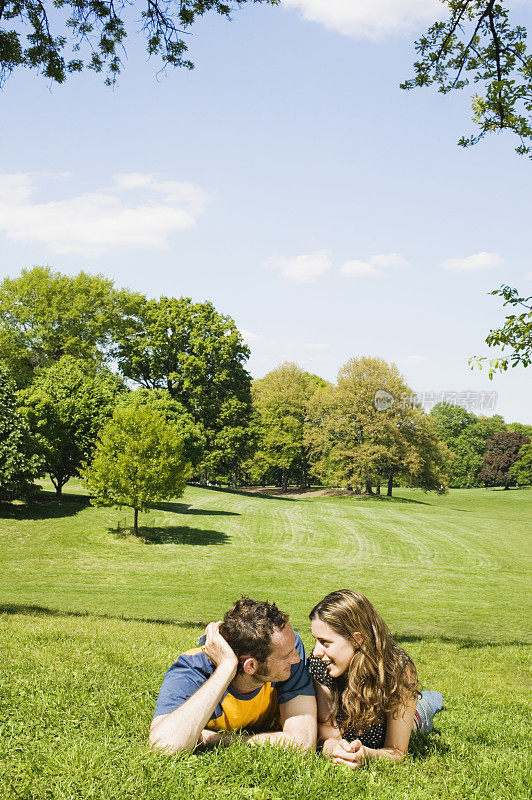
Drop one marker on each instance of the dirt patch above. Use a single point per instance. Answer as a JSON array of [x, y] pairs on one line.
[[276, 491]]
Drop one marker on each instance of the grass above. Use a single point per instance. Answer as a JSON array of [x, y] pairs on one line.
[[91, 619]]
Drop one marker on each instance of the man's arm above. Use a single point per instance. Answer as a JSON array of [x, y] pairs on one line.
[[182, 728], [298, 721]]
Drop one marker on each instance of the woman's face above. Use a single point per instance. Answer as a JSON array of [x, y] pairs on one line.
[[333, 650]]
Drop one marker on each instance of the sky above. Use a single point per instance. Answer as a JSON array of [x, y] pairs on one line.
[[288, 180]]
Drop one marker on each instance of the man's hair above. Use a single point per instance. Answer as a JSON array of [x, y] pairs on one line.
[[248, 626]]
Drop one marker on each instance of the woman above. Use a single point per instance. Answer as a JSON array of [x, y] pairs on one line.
[[367, 687]]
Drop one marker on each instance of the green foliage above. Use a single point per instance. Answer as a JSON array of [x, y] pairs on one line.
[[65, 408], [355, 444], [466, 436], [281, 400], [198, 355], [94, 32], [18, 462], [138, 460], [190, 433], [45, 315], [477, 44], [502, 451], [515, 333], [521, 471]]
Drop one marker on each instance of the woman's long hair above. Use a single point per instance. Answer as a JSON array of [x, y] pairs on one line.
[[381, 677]]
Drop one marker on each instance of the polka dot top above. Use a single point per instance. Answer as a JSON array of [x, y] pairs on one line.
[[372, 736]]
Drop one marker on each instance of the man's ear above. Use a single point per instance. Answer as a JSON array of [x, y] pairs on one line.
[[249, 665]]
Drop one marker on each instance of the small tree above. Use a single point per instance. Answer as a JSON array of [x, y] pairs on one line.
[[501, 454], [138, 460], [18, 464]]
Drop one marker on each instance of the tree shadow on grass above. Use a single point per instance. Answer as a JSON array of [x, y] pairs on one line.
[[173, 534], [45, 506], [44, 611], [186, 508]]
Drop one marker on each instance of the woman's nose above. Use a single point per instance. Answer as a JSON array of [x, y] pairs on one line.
[[318, 651]]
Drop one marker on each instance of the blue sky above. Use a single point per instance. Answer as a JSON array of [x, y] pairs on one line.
[[291, 182]]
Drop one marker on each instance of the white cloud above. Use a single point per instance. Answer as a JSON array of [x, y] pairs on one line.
[[98, 222], [411, 361], [373, 267], [302, 269], [372, 19], [253, 339], [475, 262], [360, 269]]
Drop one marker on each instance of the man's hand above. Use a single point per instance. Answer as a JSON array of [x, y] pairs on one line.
[[350, 754], [217, 648]]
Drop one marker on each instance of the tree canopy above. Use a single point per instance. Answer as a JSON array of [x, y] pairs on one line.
[[45, 315], [477, 44], [502, 452], [198, 355], [65, 407], [69, 35], [18, 463]]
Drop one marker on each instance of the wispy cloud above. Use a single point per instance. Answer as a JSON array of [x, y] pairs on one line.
[[477, 261], [305, 268], [372, 19], [374, 267], [136, 211], [411, 361]]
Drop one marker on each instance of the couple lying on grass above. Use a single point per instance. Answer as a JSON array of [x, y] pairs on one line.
[[358, 693]]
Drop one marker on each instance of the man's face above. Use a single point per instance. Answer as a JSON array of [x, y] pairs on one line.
[[283, 656]]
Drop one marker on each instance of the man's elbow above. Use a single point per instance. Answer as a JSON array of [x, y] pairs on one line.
[[306, 739], [157, 740]]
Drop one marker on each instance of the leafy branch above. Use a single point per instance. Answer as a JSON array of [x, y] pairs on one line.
[[477, 44]]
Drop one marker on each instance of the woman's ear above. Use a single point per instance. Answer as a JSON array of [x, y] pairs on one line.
[[358, 638]]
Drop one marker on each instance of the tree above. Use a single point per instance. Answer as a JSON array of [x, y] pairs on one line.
[[45, 315], [357, 441], [198, 355], [466, 436], [78, 34], [18, 463], [501, 454], [280, 400], [65, 407], [515, 333], [138, 460], [476, 43], [521, 470]]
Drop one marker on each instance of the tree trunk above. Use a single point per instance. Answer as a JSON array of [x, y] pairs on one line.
[[234, 477], [378, 488], [507, 484], [203, 479], [390, 484], [369, 488], [285, 479], [136, 521]]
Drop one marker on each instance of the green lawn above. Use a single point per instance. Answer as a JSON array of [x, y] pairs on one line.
[[91, 620]]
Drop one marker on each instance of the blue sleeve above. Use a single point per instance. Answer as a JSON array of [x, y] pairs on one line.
[[299, 681], [183, 678]]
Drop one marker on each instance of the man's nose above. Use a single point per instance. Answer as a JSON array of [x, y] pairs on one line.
[[295, 658]]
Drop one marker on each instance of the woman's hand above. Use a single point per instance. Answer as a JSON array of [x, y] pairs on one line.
[[352, 755]]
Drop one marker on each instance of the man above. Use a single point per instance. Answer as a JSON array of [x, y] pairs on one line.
[[248, 674]]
